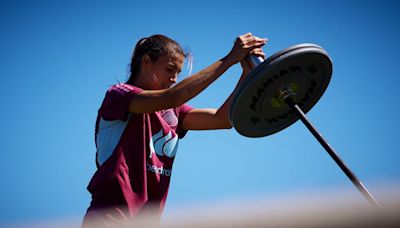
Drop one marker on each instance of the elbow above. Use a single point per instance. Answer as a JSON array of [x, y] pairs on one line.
[[179, 95], [175, 98], [228, 126], [223, 120], [225, 123]]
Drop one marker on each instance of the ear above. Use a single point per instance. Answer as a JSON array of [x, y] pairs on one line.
[[146, 60]]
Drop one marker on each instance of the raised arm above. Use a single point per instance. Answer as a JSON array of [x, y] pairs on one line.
[[154, 100], [208, 119]]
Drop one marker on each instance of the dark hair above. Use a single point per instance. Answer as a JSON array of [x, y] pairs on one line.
[[153, 46]]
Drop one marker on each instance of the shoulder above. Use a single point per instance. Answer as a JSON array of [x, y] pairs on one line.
[[182, 111], [184, 108], [122, 88], [116, 101]]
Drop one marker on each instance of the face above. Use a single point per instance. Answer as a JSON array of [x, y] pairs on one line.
[[165, 71]]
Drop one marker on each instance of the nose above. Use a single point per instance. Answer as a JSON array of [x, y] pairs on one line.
[[173, 78]]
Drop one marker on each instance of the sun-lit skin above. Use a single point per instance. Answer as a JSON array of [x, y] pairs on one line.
[[157, 78], [161, 73], [166, 70]]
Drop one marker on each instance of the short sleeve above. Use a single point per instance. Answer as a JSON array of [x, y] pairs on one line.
[[183, 110], [116, 102]]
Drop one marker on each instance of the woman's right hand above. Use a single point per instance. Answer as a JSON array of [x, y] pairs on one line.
[[246, 66], [243, 45]]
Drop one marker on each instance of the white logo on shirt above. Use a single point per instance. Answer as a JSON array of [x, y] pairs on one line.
[[163, 144], [159, 170], [169, 117]]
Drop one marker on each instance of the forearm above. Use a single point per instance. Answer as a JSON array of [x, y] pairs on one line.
[[193, 85], [207, 119], [154, 100], [223, 111]]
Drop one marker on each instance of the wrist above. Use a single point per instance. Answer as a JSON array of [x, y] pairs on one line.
[[229, 60]]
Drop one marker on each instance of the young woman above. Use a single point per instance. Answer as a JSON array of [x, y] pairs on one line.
[[139, 125]]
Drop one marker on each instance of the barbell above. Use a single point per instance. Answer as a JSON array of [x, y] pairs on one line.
[[280, 90]]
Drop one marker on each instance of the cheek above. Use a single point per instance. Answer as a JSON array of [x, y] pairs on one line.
[[163, 75]]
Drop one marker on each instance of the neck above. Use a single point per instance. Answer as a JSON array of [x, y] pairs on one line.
[[142, 81]]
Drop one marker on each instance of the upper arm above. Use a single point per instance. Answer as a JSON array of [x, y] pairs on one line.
[[205, 119], [153, 100]]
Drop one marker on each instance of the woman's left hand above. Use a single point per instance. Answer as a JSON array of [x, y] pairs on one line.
[[244, 45]]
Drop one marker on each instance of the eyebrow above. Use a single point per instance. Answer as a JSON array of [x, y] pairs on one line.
[[175, 67]]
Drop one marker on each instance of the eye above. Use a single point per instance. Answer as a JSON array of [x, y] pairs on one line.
[[171, 70]]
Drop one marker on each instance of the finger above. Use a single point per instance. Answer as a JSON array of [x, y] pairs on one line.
[[254, 45], [258, 40], [251, 39], [242, 38], [254, 41], [258, 52], [262, 55], [249, 34], [246, 38]]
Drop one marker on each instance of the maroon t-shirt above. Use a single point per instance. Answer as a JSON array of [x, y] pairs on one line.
[[135, 153]]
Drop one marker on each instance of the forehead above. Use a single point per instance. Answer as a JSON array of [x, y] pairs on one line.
[[173, 60]]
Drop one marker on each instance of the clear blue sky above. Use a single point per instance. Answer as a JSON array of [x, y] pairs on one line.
[[57, 58]]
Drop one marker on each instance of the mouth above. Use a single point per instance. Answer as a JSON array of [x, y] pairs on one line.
[[171, 83], [168, 85]]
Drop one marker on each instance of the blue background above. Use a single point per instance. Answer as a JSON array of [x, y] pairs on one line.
[[57, 59]]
